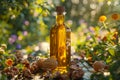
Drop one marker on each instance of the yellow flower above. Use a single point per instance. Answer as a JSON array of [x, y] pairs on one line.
[[39, 1], [9, 62], [4, 46], [1, 51], [102, 18], [115, 16]]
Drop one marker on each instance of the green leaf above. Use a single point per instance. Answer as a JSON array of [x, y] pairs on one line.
[[111, 51], [3, 77], [109, 59]]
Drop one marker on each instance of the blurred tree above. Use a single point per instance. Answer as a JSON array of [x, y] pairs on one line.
[[89, 10], [21, 21], [31, 20]]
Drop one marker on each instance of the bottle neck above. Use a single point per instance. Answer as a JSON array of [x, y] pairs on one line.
[[60, 19]]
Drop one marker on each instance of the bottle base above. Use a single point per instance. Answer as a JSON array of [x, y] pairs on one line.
[[61, 69]]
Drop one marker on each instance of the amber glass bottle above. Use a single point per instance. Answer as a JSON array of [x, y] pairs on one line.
[[68, 44], [60, 41], [53, 48]]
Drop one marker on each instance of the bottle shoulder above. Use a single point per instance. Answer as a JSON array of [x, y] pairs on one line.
[[53, 27], [56, 26], [67, 28]]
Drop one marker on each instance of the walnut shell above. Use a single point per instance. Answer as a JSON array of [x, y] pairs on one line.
[[39, 62], [49, 64], [98, 65], [77, 74]]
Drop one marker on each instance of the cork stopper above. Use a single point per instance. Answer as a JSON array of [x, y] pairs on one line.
[[60, 9]]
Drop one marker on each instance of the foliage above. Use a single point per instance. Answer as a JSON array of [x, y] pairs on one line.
[[13, 65], [102, 44], [95, 33], [22, 22]]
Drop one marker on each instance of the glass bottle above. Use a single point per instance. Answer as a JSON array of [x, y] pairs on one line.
[[60, 41], [53, 41], [68, 44]]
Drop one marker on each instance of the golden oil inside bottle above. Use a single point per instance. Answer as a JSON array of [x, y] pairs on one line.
[[68, 45], [53, 41], [60, 42]]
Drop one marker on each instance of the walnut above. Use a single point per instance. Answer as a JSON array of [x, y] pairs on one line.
[[77, 74], [11, 71], [49, 64], [39, 62], [27, 73], [26, 63], [34, 68], [98, 65]]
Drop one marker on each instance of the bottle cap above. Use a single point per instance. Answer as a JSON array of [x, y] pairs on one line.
[[60, 9]]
